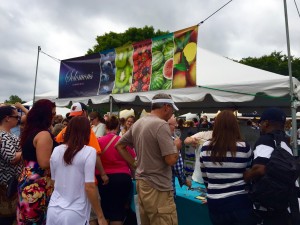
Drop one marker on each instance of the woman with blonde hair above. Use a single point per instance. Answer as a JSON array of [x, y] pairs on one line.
[[128, 123], [223, 160]]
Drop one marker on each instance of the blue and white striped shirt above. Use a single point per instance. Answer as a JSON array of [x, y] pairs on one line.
[[225, 183]]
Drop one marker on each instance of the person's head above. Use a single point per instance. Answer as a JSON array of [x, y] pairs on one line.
[[226, 134], [65, 122], [180, 123], [129, 121], [106, 116], [272, 119], [57, 128], [172, 123], [78, 109], [95, 118], [112, 123], [163, 106], [57, 119], [189, 123], [204, 118], [38, 118], [9, 116], [249, 123], [287, 125], [77, 135]]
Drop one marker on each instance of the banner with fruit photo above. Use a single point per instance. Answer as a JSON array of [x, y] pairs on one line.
[[160, 63], [184, 71], [107, 72], [79, 76], [124, 65]]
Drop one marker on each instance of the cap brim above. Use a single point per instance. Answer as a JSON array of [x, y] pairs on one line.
[[175, 107], [76, 113]]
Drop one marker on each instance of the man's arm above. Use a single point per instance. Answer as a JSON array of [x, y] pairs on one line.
[[258, 170], [172, 158], [126, 155]]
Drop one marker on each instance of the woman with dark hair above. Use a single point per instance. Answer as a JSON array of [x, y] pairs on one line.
[[223, 160], [128, 123], [10, 162], [72, 170], [35, 186], [115, 194]]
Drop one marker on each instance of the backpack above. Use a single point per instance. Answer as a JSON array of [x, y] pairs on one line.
[[276, 190]]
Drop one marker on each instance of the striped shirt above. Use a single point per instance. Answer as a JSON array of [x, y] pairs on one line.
[[9, 145], [225, 183]]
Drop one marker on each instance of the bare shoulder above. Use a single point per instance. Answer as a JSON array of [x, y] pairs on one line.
[[45, 135]]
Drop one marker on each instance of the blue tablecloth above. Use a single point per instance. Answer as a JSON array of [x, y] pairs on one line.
[[190, 210]]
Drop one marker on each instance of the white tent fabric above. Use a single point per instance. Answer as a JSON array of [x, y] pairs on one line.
[[221, 83]]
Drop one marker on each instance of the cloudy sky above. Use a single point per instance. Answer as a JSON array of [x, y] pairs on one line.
[[68, 28]]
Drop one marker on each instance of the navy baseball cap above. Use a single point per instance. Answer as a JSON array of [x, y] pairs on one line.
[[273, 114]]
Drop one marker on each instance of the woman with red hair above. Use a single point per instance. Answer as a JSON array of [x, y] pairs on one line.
[[35, 186]]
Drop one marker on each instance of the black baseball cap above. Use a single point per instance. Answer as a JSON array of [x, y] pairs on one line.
[[273, 114]]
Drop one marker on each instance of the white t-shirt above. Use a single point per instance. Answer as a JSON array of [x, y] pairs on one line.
[[69, 188], [99, 130]]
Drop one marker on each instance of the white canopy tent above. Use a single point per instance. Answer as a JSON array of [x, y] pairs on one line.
[[221, 83]]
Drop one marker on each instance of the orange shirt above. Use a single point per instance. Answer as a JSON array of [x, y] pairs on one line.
[[93, 140]]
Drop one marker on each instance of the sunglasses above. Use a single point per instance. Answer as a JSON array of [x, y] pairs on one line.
[[91, 119]]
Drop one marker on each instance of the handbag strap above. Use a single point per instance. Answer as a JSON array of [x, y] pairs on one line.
[[109, 143]]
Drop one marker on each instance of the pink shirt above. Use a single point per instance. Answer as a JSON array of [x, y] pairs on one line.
[[111, 159]]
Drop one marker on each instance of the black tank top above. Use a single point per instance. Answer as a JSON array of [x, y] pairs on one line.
[[29, 151]]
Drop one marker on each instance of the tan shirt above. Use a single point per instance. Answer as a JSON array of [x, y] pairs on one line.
[[151, 138]]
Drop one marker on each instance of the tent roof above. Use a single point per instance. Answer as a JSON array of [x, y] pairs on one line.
[[221, 83]]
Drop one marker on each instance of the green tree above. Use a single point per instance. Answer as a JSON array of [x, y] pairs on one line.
[[112, 40], [275, 62], [13, 99]]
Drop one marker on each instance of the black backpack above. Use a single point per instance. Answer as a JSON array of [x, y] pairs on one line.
[[276, 190]]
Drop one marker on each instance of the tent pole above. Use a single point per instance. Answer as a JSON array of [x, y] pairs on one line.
[[293, 105], [110, 105], [36, 70]]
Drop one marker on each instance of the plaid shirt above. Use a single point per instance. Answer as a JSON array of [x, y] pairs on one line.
[[177, 170]]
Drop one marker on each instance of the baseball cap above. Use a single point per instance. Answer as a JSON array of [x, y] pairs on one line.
[[273, 114], [77, 108], [165, 100]]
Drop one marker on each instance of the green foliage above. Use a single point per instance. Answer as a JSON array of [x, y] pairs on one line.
[[113, 40], [275, 62], [13, 99]]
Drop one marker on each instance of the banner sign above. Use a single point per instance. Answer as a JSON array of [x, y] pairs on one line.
[[160, 63]]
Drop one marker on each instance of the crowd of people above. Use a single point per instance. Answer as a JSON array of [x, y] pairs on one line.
[[79, 169]]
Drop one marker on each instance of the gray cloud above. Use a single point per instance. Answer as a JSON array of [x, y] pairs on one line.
[[68, 28]]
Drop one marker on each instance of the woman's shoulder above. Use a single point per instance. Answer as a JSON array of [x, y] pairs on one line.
[[88, 149]]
